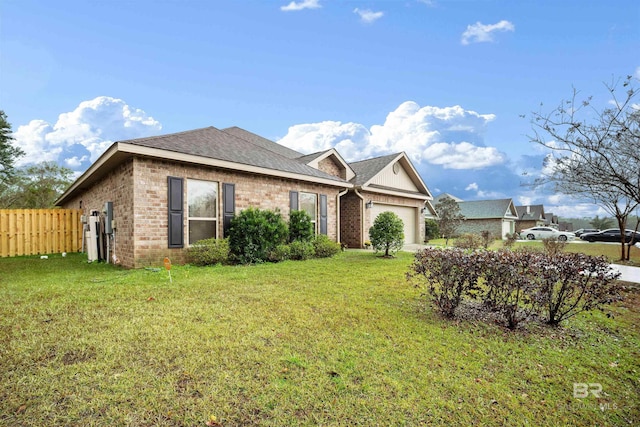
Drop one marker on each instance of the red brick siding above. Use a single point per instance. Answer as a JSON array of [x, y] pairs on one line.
[[350, 220]]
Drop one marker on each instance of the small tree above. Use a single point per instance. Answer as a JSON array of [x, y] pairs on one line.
[[387, 233], [449, 217]]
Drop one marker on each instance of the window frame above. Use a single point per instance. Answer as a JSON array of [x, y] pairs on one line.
[[314, 219], [215, 219]]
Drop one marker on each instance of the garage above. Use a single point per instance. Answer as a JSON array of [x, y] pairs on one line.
[[407, 214]]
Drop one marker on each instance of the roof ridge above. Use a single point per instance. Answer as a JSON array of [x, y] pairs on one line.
[[377, 158], [147, 138]]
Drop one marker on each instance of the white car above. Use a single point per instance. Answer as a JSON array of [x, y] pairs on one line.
[[538, 233]]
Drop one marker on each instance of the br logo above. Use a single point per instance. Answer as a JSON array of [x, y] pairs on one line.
[[582, 390]]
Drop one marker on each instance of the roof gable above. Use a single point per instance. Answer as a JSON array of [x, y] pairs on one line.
[[391, 173], [314, 160], [531, 212]]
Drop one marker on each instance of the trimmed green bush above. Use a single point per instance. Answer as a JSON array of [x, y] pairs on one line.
[[301, 251], [325, 247], [254, 233], [280, 253], [300, 226], [209, 252]]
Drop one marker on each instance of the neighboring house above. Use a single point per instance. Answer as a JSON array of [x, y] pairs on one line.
[[551, 220], [170, 191], [496, 216], [565, 226], [530, 216]]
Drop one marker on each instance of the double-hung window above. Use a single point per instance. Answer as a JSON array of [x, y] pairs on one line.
[[308, 202], [202, 211]]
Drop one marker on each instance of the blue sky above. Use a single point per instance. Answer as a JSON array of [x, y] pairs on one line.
[[446, 81]]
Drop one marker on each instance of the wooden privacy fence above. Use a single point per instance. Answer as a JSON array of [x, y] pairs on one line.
[[39, 231]]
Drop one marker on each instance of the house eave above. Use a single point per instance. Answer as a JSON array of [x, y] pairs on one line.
[[372, 188]]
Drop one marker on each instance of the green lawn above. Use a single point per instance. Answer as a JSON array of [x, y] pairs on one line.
[[342, 341]]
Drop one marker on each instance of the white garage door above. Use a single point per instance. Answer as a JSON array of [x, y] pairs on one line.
[[406, 214]]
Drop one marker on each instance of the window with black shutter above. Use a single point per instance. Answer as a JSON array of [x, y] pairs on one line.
[[176, 212]]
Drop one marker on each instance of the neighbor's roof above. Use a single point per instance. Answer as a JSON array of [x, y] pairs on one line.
[[486, 209], [536, 212]]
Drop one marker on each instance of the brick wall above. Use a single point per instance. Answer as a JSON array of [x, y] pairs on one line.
[[116, 187], [141, 209], [350, 220], [329, 166], [477, 226]]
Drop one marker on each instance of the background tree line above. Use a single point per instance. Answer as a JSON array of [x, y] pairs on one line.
[[30, 187]]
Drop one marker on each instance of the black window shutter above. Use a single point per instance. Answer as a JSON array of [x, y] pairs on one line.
[[228, 206], [293, 200], [323, 214], [176, 212]]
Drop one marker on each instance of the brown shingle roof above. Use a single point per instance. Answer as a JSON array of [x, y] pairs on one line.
[[224, 145]]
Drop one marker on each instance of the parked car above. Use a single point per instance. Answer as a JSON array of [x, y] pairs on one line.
[[546, 233], [611, 235], [582, 231]]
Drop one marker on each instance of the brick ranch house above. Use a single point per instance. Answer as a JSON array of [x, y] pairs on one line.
[[495, 216], [170, 191]]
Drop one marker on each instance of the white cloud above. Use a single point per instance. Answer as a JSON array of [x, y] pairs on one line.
[[462, 156], [301, 5], [81, 136], [638, 73], [368, 16], [472, 187], [429, 134], [478, 32], [525, 201]]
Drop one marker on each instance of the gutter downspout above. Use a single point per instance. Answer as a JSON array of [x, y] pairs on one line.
[[340, 194], [355, 190]]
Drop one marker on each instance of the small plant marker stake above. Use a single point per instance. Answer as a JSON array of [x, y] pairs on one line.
[[167, 265]]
